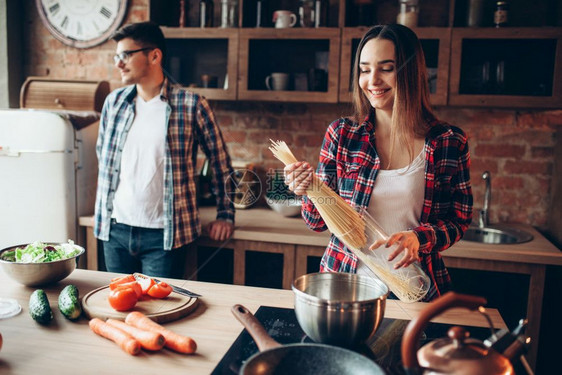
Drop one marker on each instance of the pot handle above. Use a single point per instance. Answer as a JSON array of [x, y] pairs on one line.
[[417, 325], [254, 328]]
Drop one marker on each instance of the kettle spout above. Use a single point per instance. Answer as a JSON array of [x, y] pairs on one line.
[[517, 348], [502, 339]]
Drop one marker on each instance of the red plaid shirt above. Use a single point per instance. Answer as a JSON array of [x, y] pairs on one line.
[[349, 164]]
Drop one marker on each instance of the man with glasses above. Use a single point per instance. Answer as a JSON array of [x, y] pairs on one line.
[[146, 212]]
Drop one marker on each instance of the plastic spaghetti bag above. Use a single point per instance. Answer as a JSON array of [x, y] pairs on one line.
[[409, 284]]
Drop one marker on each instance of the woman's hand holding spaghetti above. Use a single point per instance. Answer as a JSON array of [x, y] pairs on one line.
[[298, 177]]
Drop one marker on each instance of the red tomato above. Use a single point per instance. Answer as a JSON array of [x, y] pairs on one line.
[[123, 299], [136, 287], [121, 280], [160, 290], [145, 282]]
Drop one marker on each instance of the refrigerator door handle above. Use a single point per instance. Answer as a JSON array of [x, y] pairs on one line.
[[6, 151], [79, 156]]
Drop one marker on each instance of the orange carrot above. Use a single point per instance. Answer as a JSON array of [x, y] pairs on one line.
[[174, 341], [148, 340], [123, 339]]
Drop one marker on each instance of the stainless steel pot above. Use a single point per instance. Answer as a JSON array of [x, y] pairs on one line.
[[342, 309]]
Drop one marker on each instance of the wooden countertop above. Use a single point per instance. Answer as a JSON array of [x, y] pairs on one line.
[[65, 347], [263, 224]]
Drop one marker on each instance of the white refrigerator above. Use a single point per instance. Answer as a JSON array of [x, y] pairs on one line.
[[48, 174]]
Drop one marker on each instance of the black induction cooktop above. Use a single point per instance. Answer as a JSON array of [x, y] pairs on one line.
[[383, 348]]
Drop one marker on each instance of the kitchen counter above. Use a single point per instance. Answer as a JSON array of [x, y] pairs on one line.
[[261, 229], [66, 347], [263, 224]]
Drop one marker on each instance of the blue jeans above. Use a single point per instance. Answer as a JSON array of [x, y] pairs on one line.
[[133, 249]]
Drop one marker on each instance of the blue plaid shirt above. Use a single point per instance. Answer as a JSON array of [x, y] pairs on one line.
[[190, 123], [349, 164]]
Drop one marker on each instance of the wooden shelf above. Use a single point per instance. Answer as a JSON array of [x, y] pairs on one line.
[[184, 38], [257, 60]]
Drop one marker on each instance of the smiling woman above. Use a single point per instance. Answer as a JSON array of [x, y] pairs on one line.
[[82, 24], [410, 170]]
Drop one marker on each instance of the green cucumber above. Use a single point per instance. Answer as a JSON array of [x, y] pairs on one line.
[[39, 307], [69, 303]]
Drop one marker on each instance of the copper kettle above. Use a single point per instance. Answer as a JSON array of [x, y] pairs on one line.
[[458, 353]]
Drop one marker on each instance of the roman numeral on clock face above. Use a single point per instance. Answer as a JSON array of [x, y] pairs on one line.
[[105, 12], [54, 9]]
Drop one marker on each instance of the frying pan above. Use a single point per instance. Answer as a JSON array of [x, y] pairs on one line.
[[295, 359]]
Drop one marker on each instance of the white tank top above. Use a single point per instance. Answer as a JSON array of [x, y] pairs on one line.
[[398, 194], [140, 194]]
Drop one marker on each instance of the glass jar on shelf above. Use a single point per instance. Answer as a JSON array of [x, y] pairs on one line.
[[206, 13], [408, 13], [321, 13], [307, 14], [229, 13], [474, 13]]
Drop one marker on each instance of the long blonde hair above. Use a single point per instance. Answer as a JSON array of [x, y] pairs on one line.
[[411, 111]]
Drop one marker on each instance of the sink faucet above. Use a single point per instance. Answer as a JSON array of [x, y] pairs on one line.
[[484, 217]]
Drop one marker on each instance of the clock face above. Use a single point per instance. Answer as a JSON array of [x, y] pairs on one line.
[[82, 23]]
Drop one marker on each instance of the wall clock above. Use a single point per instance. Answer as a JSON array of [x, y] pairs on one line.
[[82, 23]]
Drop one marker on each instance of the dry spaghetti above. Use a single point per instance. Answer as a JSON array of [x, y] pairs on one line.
[[348, 225]]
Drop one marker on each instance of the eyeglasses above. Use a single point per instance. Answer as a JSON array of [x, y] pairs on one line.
[[124, 56]]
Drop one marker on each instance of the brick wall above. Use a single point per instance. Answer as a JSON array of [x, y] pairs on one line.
[[516, 147]]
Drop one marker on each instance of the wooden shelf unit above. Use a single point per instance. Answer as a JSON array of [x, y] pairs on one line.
[[442, 23]]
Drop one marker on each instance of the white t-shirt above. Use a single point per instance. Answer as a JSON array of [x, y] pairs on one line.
[[140, 194], [397, 199]]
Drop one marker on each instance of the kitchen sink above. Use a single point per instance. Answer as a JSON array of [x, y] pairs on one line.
[[493, 234], [490, 235]]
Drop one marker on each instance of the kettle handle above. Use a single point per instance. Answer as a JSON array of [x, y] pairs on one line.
[[417, 325]]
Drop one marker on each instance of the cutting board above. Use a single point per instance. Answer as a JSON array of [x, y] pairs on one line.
[[161, 310]]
